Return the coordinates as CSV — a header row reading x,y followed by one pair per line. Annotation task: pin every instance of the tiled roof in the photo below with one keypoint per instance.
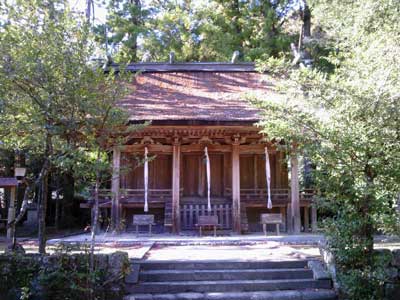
x,y
196,95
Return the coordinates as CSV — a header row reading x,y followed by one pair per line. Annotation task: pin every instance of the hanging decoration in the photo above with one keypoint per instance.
x,y
208,179
268,177
146,180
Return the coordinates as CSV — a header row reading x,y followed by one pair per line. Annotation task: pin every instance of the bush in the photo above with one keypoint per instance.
x,y
62,276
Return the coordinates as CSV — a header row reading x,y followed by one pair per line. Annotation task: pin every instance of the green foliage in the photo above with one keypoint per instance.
x,y
57,104
16,274
61,276
343,115
196,30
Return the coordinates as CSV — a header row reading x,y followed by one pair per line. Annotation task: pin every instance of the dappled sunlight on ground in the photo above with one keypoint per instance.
x,y
266,251
192,247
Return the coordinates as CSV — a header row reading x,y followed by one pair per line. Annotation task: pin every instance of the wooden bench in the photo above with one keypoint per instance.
x,y
207,221
271,219
143,220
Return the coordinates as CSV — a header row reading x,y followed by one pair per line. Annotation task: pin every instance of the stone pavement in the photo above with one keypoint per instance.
x,y
180,247
171,239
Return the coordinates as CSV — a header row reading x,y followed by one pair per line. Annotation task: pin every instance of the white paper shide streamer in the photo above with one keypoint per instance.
x,y
268,177
208,172
146,180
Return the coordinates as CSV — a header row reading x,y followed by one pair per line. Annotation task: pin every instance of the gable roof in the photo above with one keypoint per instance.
x,y
195,92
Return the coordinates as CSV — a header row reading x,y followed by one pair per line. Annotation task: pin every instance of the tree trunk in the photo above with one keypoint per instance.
x,y
95,216
57,212
136,20
94,223
89,12
44,196
306,17
368,228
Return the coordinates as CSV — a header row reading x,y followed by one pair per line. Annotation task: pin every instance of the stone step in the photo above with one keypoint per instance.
x,y
226,286
240,274
320,294
220,265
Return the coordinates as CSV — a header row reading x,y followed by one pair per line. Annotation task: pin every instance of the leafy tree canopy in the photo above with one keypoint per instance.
x,y
56,104
198,30
346,120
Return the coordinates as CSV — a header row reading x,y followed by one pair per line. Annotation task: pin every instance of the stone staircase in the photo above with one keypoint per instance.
x,y
226,280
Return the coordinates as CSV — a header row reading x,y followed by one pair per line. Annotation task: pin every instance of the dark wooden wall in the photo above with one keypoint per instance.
x,y
193,172
252,171
194,180
132,172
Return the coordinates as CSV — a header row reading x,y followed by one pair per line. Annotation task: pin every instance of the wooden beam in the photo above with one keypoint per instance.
x,y
236,188
295,196
153,148
176,167
256,149
200,148
115,189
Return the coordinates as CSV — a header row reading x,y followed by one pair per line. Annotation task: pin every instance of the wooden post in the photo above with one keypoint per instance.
x,y
236,220
284,217
306,218
289,220
176,167
314,221
115,189
295,193
11,216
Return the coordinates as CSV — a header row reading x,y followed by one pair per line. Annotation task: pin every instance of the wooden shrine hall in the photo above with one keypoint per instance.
x,y
202,153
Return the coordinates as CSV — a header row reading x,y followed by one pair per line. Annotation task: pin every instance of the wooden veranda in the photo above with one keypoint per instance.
x,y
177,179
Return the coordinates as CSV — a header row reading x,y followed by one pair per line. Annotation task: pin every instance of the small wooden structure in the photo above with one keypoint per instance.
x,y
207,221
143,220
10,183
195,107
266,219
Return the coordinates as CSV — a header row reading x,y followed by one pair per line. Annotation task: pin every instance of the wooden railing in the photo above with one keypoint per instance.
x,y
191,212
134,195
257,194
159,195
307,194
137,195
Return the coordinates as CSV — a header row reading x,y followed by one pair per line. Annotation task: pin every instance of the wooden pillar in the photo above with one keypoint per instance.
x,y
289,221
314,220
306,218
115,190
176,167
295,193
236,220
282,210
11,215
